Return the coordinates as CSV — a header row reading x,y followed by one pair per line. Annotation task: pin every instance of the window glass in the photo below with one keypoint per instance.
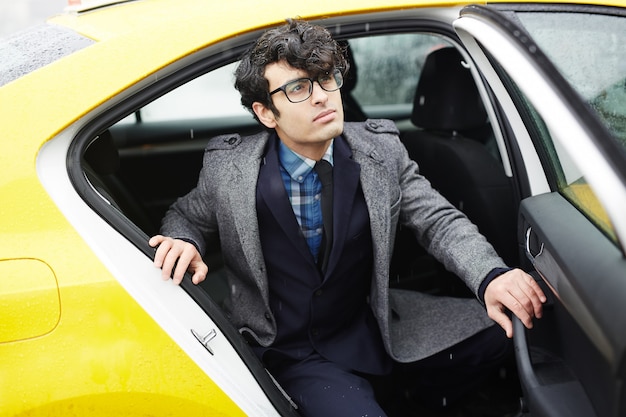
x,y
212,95
386,79
564,174
588,49
389,66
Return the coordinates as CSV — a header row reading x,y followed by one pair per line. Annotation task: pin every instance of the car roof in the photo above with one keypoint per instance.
x,y
102,19
221,18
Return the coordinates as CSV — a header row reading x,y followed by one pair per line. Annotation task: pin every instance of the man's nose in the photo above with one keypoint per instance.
x,y
318,95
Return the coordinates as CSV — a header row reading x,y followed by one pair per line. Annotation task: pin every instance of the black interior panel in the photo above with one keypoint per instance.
x,y
571,363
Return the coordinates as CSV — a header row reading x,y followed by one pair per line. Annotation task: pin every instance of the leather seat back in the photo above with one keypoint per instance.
x,y
451,147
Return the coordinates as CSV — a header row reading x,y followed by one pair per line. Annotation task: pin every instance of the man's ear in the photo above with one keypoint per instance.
x,y
265,115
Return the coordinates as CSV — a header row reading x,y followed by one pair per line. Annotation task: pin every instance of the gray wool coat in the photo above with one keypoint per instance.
x,y
221,210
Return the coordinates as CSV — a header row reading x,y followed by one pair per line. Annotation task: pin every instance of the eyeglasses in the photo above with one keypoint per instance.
x,y
302,88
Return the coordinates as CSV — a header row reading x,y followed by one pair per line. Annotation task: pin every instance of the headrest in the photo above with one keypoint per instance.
x,y
102,155
446,97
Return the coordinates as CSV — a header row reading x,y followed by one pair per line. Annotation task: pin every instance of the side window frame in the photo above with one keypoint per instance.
x,y
576,191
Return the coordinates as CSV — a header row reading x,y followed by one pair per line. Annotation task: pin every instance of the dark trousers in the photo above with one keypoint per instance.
x,y
321,388
447,377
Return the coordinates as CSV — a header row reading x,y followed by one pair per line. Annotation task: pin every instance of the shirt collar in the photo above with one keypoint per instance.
x,y
298,166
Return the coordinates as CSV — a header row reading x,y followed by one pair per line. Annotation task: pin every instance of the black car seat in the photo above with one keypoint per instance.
x,y
451,149
101,164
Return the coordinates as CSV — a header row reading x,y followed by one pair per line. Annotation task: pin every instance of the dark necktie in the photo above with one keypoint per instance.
x,y
325,173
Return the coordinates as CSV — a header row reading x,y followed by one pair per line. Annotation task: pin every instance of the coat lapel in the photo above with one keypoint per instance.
x,y
377,191
241,185
375,185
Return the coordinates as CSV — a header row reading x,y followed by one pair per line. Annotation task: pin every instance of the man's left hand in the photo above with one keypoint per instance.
x,y
517,292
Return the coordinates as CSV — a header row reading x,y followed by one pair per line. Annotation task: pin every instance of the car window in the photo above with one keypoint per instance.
x,y
211,96
588,49
385,87
566,176
386,78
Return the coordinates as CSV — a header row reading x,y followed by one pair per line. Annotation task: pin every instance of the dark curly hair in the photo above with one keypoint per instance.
x,y
301,45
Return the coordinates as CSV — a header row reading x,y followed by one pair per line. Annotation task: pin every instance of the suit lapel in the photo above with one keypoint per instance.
x,y
272,190
345,184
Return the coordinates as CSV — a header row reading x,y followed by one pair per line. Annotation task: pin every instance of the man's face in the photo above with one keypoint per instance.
x,y
308,126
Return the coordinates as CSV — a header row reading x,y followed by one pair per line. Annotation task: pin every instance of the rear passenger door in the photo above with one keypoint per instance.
x,y
573,234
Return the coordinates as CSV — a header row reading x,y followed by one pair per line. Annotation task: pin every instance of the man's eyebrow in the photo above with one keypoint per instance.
x,y
290,81
295,79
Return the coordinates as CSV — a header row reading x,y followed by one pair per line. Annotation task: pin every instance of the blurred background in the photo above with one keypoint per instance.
x,y
16,15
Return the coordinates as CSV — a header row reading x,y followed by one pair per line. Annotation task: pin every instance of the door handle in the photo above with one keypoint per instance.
x,y
529,253
206,339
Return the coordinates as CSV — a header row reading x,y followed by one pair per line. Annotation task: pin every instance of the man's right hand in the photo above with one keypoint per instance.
x,y
177,256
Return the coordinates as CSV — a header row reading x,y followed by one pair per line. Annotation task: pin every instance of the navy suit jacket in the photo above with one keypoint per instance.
x,y
327,312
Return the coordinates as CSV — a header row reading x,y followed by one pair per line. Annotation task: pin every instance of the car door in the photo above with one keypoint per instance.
x,y
548,69
185,313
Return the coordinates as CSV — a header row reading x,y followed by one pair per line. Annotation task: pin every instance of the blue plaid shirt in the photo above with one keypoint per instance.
x,y
304,190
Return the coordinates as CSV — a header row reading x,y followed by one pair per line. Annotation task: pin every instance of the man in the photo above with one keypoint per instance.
x,y
309,278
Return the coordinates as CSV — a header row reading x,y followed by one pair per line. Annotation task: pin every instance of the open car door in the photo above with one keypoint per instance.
x,y
572,362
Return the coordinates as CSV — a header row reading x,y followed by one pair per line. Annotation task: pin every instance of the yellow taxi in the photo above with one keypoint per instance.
x,y
104,114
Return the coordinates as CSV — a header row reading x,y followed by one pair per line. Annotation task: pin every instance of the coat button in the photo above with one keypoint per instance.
x,y
315,331
268,316
318,293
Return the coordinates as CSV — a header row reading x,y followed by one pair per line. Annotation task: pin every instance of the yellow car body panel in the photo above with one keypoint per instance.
x,y
103,354
106,357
